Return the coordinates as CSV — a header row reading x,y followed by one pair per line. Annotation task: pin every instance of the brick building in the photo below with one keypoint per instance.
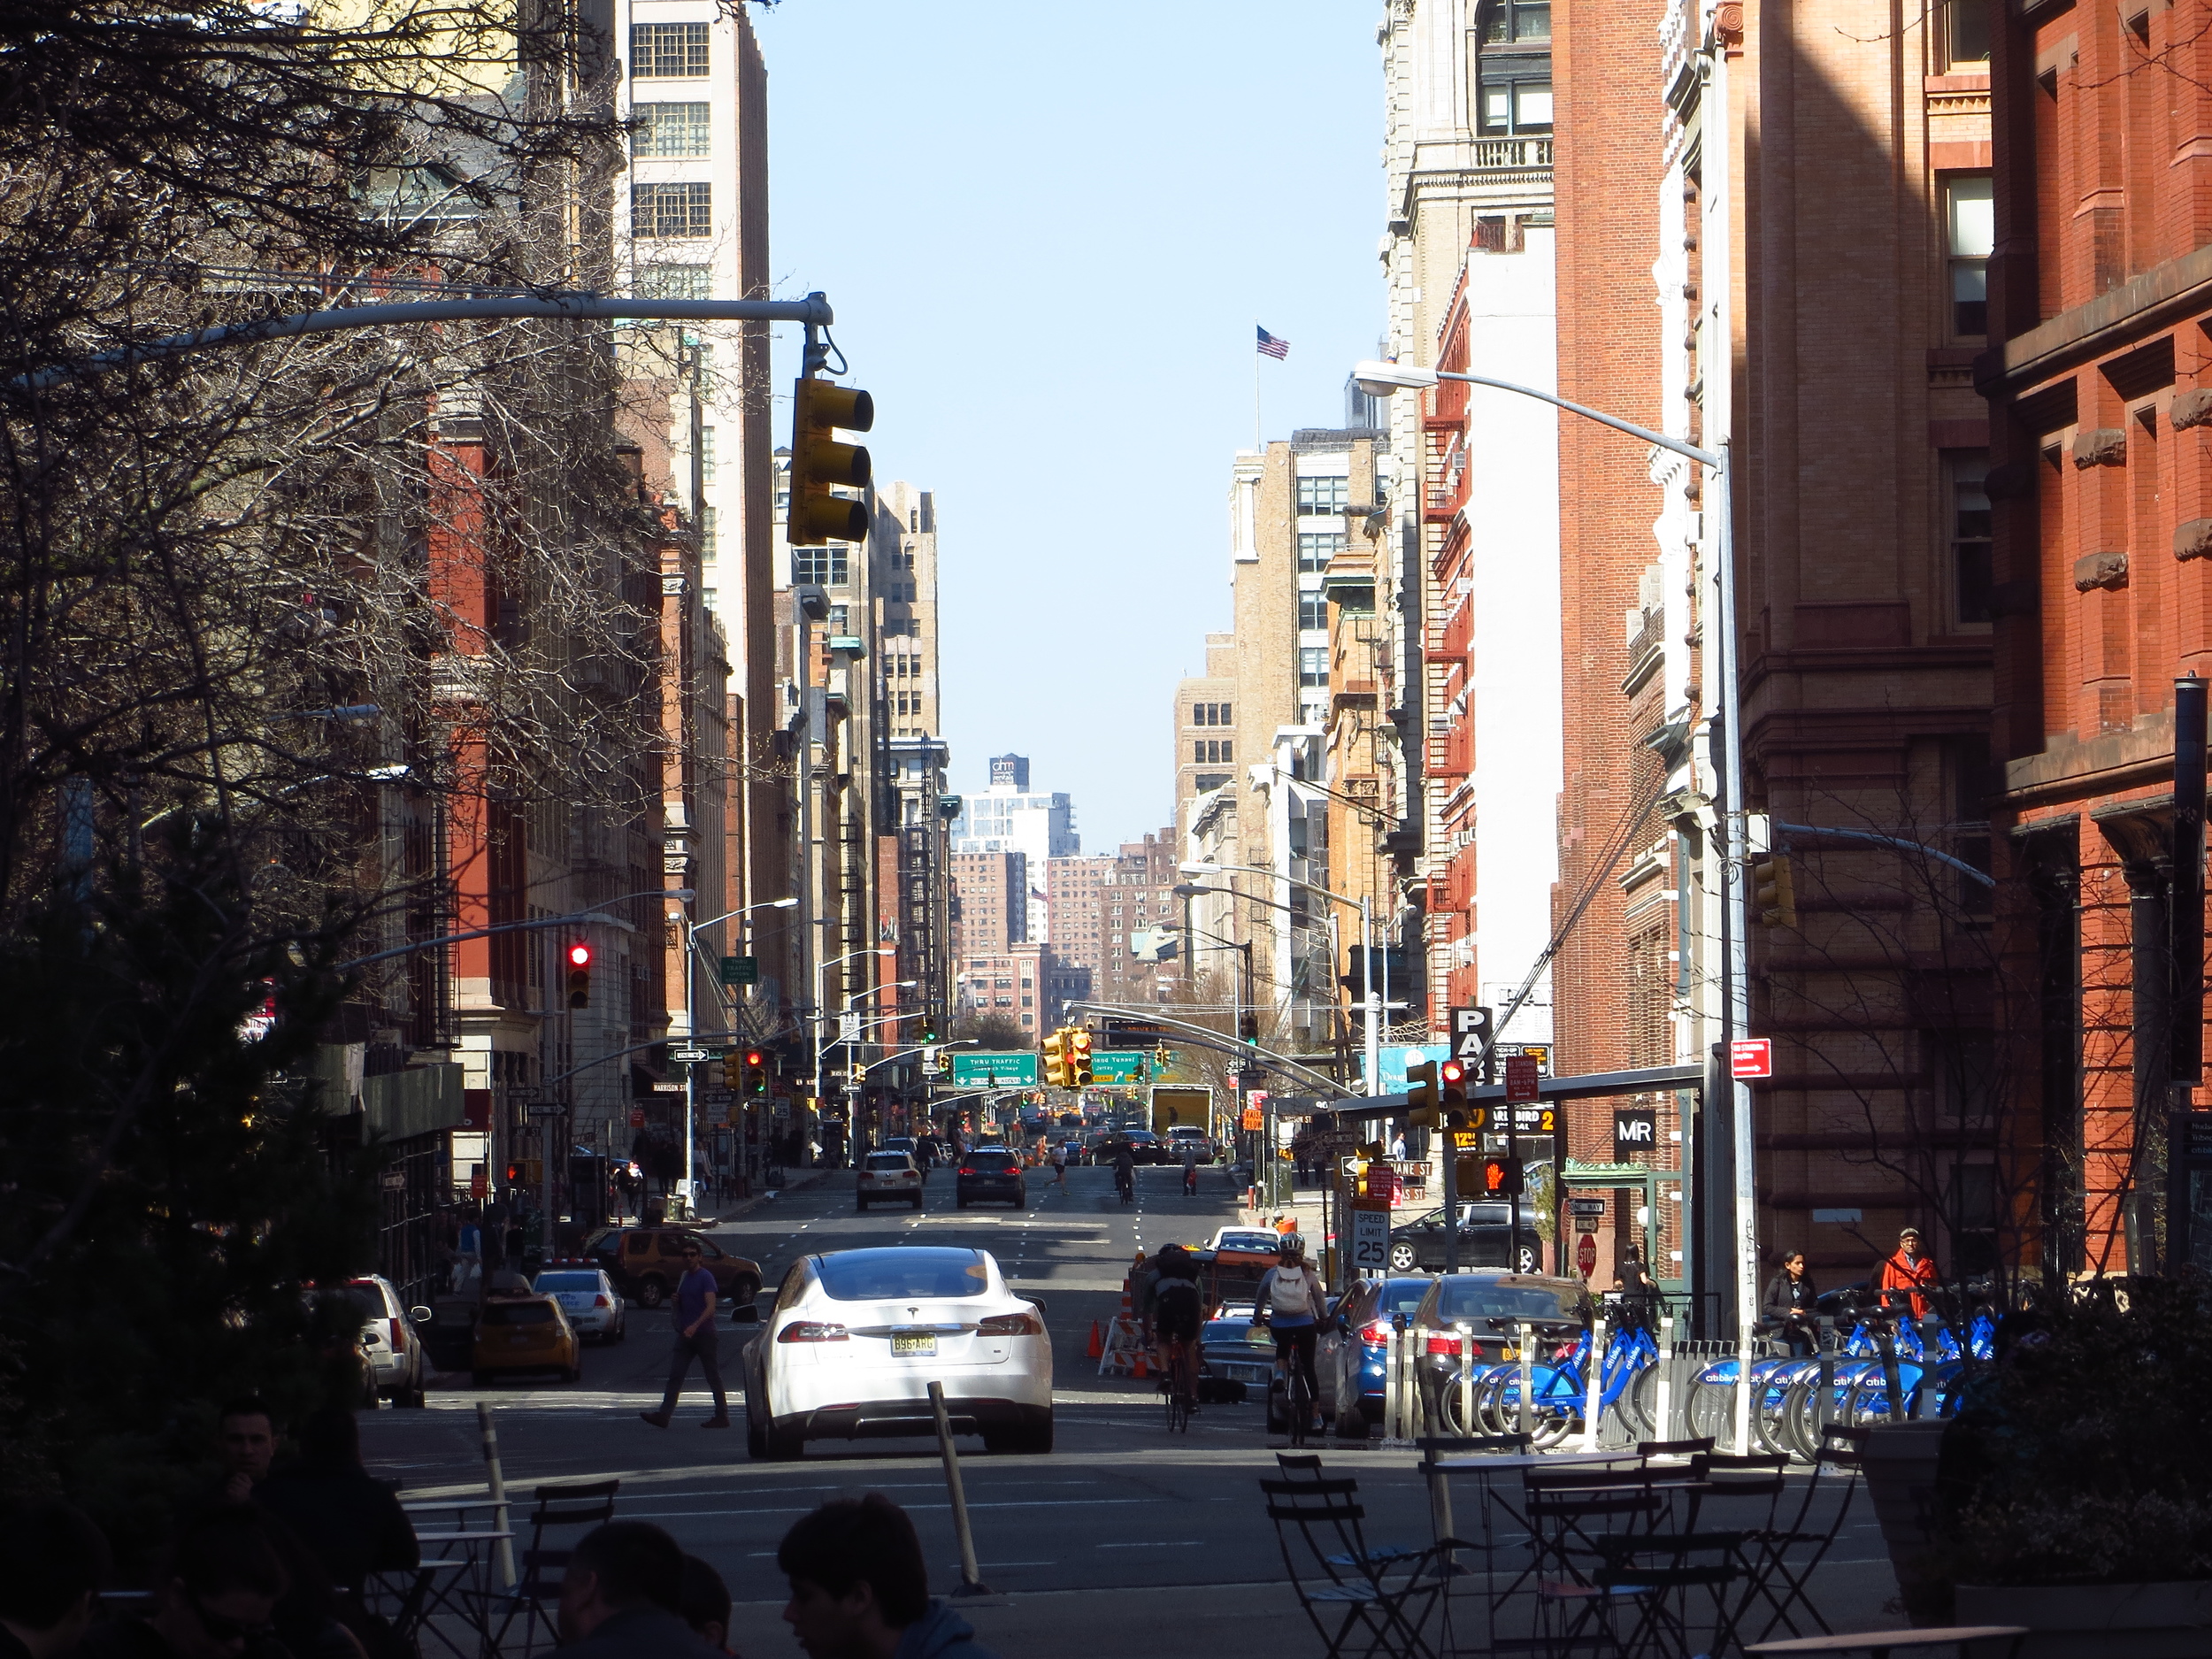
x,y
991,907
2096,372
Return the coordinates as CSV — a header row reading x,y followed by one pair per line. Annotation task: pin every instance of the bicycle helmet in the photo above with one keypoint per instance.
x,y
1291,1246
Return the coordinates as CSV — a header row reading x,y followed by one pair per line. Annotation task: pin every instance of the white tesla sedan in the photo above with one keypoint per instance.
x,y
856,1337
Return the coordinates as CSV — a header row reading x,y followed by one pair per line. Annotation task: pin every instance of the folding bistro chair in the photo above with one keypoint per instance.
x,y
1794,1548
1339,1577
539,1570
1576,1517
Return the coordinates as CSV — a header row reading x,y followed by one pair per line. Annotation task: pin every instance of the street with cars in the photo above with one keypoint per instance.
x,y
1086,1513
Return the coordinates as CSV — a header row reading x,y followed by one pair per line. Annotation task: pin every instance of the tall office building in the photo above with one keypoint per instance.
x,y
991,902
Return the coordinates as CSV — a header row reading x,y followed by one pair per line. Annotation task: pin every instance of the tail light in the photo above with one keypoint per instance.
x,y
965,1169
398,1344
812,1331
1375,1335
1024,1324
601,1302
1444,1342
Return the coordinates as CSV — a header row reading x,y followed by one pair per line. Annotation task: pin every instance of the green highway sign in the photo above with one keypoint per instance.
x,y
741,969
1118,1065
1014,1069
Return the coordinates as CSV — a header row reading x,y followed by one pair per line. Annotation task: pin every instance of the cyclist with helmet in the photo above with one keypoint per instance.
x,y
1289,1305
1174,1310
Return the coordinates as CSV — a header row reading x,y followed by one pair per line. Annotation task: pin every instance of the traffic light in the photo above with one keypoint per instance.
x,y
1249,1026
734,1070
755,1073
580,975
1451,1077
1079,1058
1773,895
1499,1178
819,461
1422,1099
1056,1067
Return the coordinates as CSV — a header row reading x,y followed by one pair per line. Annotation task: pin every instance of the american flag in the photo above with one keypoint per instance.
x,y
1271,347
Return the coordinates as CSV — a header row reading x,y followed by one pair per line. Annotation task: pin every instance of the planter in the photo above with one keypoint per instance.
x,y
1899,1461
2091,1621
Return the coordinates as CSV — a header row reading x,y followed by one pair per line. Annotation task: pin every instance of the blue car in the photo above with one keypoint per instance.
x,y
1349,1358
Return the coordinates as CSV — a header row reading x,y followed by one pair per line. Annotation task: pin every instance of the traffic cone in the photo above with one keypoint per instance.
x,y
1098,1345
1141,1370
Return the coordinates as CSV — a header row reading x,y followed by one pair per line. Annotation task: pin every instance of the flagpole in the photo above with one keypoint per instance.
x,y
1256,398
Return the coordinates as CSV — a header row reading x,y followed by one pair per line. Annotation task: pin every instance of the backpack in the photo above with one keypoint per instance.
x,y
1279,1282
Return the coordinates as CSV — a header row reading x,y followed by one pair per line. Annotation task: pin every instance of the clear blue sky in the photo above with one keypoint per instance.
x,y
1049,229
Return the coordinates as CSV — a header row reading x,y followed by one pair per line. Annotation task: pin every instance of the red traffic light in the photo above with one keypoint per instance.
x,y
753,1056
1452,1070
580,954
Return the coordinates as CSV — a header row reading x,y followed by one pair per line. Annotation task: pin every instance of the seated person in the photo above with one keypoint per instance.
x,y
623,1595
216,1590
860,1588
52,1561
349,1520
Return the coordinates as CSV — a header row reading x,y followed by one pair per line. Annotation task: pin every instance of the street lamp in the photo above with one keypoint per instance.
x,y
685,895
1385,379
1371,1004
821,970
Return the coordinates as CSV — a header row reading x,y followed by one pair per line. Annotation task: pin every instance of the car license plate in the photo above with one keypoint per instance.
x,y
915,1342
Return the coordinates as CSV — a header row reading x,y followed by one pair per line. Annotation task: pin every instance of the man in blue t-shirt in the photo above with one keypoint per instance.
x,y
695,1336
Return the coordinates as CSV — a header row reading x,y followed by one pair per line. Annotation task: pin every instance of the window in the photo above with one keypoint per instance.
x,y
1515,106
823,566
1970,218
1315,550
675,282
710,524
706,453
1969,529
1313,611
1510,20
1323,495
665,51
669,129
1313,665
1966,35
672,210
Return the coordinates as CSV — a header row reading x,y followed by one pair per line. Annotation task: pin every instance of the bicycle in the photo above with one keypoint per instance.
x,y
1180,1382
1125,1184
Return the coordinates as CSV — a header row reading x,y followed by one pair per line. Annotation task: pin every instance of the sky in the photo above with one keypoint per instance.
x,y
1049,230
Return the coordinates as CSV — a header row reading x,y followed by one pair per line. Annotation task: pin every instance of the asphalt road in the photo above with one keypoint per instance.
x,y
1121,1535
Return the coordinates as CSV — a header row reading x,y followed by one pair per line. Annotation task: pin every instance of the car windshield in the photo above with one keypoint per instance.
x,y
887,1159
1229,1333
886,1275
518,1313
566,1281
1468,1298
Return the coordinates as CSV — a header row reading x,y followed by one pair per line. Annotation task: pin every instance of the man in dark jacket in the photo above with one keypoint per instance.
x,y
349,1520
860,1588
620,1597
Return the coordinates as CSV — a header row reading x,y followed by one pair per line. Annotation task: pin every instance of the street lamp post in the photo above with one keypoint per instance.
x,y
821,971
1385,379
691,1014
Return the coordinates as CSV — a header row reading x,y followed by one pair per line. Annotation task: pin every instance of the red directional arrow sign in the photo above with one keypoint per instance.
x,y
1751,1057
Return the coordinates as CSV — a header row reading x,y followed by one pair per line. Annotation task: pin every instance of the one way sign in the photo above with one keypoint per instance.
x,y
1470,1032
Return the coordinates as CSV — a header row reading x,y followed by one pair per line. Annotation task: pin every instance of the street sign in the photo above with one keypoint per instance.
x,y
1585,1223
542,1111
1635,1129
1586,1206
1008,1069
848,1026
1540,1052
1587,1253
1751,1057
1470,1032
691,1056
741,969
1520,1078
1371,1236
1535,1120
637,1116
1118,1065
1253,1118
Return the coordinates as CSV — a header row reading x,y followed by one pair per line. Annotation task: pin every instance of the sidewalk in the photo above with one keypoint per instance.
x,y
801,1182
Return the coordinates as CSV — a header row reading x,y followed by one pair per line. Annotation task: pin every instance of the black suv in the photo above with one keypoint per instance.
x,y
990,1172
1417,1246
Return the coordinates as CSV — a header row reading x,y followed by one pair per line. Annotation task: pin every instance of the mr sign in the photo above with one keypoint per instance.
x,y
1634,1130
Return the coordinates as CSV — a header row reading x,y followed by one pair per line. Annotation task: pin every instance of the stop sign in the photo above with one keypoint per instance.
x,y
1587,1255
637,1116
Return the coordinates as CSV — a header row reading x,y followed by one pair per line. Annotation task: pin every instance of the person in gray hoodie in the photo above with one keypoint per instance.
x,y
860,1588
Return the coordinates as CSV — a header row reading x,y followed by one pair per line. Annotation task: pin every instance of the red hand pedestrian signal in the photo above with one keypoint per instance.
x,y
580,975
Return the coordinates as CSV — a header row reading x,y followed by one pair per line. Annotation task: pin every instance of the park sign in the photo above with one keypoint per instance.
x,y
1014,1069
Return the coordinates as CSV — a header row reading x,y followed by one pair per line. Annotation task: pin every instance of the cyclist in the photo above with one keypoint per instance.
x,y
1289,1303
1174,1315
1125,1170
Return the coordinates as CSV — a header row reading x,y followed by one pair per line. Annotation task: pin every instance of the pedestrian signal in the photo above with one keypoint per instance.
x,y
1501,1177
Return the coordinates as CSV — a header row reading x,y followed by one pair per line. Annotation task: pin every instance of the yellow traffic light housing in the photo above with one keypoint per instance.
x,y
1422,1098
1055,1069
734,1070
1078,1060
1773,892
819,462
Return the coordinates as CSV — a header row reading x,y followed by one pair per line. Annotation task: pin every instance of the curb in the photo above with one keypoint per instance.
x,y
814,1177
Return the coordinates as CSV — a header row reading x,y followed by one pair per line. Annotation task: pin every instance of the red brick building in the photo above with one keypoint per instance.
x,y
2100,382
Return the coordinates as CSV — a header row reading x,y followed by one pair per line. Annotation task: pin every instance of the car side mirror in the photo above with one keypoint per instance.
x,y
744,1313
420,1315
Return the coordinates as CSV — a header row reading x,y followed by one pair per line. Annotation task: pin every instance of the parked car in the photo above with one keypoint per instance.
x,y
587,1296
1492,1306
392,1344
1348,1357
991,1173
645,1262
1237,1350
889,1175
856,1337
524,1332
1418,1244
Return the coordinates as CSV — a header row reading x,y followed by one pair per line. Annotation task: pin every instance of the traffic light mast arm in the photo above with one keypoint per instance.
x,y
581,919
1899,842
636,1047
1204,1037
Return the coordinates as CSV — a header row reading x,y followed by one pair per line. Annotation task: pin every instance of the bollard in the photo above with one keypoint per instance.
x,y
1528,1376
1663,1428
1824,1403
970,1579
1594,1384
489,1435
1466,1380
1401,1363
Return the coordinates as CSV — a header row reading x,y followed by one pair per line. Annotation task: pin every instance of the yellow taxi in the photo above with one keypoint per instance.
x,y
522,1331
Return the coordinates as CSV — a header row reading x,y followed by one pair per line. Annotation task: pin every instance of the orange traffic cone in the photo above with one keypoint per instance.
x,y
1098,1346
1142,1369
